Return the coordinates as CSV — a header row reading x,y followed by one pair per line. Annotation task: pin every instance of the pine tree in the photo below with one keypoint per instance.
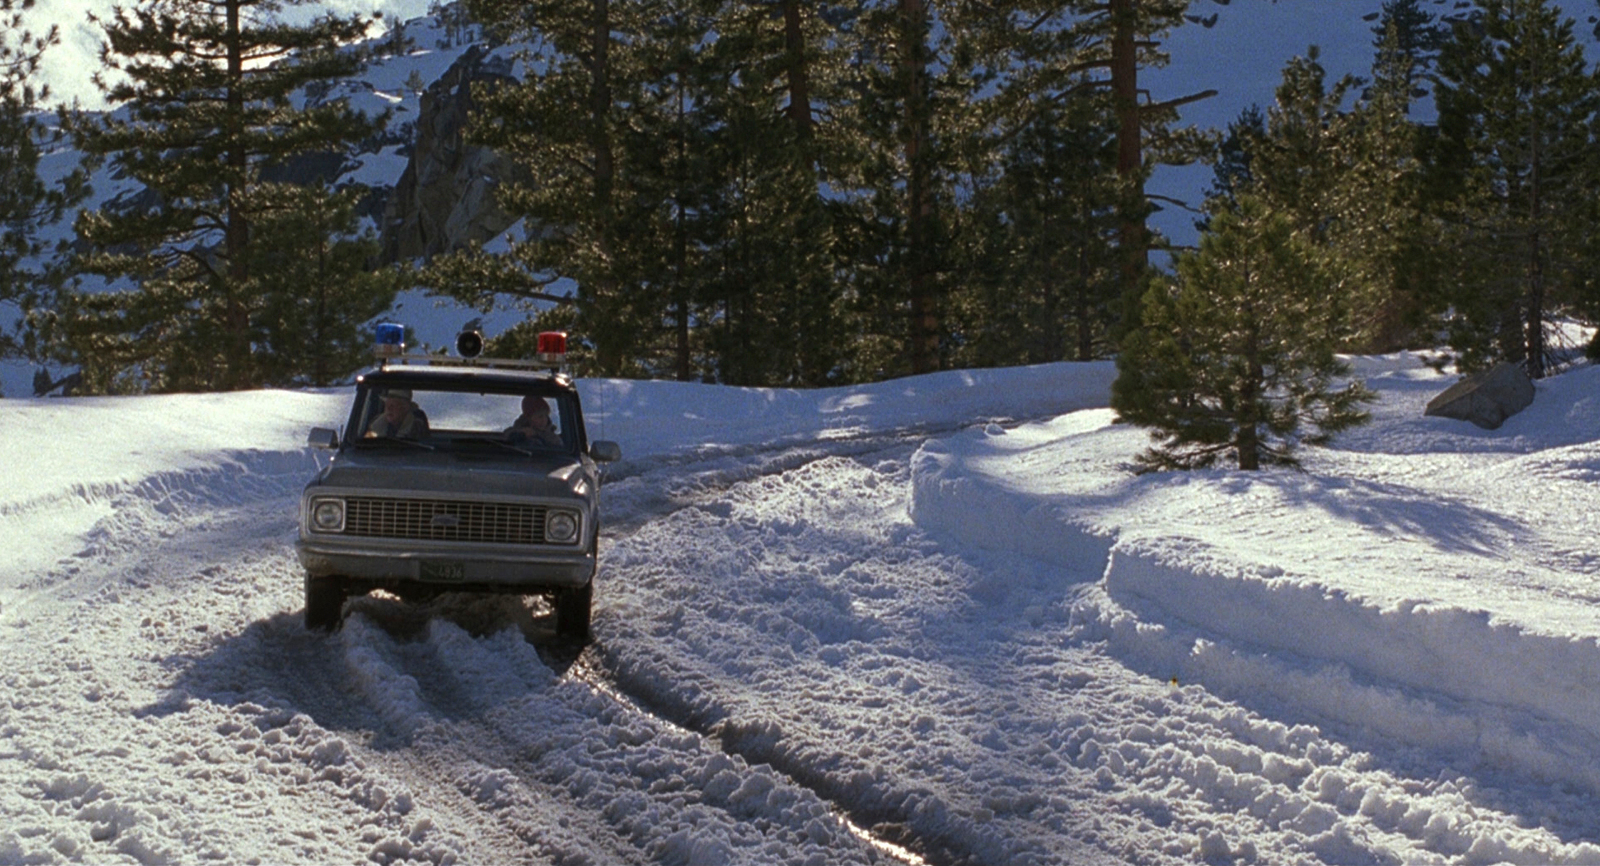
x,y
944,87
208,95
1234,358
28,202
685,207
1408,40
1349,179
1042,281
1516,175
1304,153
771,303
911,94
1386,237
1127,36
315,289
613,127
563,123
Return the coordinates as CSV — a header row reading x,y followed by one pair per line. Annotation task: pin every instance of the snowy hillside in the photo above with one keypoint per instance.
x,y
930,620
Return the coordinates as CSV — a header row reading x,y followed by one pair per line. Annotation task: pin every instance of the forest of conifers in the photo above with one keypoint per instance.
x,y
789,193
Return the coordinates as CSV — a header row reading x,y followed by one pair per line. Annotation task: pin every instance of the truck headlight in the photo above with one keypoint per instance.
x,y
561,527
327,515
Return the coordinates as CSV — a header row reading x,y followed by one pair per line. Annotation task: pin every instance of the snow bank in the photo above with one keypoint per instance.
x,y
107,458
1407,597
654,419
93,465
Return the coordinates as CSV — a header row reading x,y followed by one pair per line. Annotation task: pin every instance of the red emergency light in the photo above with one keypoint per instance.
x,y
552,347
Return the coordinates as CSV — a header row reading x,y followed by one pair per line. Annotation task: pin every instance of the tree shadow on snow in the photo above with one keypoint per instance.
x,y
1395,511
276,666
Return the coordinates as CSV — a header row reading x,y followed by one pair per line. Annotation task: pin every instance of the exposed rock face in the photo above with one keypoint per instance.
x,y
1486,399
446,198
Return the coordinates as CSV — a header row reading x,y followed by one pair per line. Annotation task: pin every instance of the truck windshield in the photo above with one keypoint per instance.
x,y
466,420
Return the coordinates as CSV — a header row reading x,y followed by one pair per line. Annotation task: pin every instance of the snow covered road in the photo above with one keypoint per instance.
x,y
166,705
787,667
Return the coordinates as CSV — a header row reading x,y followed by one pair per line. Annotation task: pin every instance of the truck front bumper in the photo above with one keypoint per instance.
x,y
444,568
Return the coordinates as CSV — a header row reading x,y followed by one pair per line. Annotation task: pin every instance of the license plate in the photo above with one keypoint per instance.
x,y
444,571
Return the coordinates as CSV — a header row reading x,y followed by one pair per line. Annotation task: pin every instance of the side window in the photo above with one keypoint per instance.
x,y
366,407
569,424
374,408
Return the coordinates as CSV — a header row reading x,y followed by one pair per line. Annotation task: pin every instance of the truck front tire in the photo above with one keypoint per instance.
x,y
573,608
324,602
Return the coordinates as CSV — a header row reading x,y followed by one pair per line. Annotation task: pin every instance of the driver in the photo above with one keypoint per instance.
x,y
401,418
533,426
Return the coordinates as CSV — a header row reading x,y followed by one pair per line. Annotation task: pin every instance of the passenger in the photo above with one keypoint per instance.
x,y
533,426
401,418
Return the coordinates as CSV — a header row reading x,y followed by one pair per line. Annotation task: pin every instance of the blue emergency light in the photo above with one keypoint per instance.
x,y
391,340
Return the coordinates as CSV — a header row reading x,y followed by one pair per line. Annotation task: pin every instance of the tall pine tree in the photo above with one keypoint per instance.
x,y
1517,177
1235,357
208,94
1041,275
1349,178
315,290
676,159
1125,37
772,304
566,123
28,202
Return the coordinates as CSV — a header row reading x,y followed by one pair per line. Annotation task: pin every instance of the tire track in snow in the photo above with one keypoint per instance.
x,y
710,598
626,783
690,483
391,752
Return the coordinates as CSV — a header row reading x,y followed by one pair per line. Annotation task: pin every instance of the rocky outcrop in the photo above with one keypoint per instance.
x,y
446,198
1486,399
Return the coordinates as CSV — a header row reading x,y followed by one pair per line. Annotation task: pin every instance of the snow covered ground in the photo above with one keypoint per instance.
x,y
934,619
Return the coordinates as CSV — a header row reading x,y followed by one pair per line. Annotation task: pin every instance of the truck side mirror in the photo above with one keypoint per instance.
x,y
322,437
605,451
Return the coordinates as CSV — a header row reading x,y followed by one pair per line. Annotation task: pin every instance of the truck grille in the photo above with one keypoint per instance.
x,y
444,520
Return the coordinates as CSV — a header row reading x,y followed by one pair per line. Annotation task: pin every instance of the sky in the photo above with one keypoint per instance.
x,y
929,620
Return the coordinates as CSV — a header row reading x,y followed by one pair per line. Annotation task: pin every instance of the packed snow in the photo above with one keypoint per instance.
x,y
933,620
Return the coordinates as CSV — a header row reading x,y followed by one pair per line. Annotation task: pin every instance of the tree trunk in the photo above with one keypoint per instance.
x,y
924,330
1246,436
794,44
682,300
1085,322
608,353
1133,238
236,237
1534,313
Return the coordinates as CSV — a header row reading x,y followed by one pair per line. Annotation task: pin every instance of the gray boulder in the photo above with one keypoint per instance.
x,y
1486,399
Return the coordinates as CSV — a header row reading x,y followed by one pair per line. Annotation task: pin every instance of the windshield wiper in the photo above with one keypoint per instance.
x,y
374,440
496,443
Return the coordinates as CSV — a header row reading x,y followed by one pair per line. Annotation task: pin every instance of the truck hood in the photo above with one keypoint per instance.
x,y
420,473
